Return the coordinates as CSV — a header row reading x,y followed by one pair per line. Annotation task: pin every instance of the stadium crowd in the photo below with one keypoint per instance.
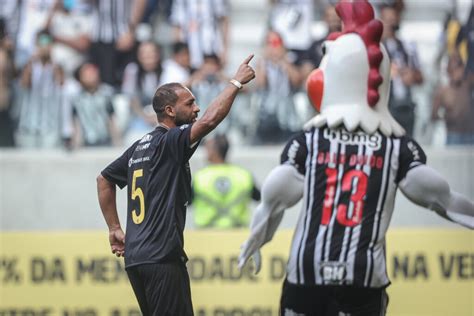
x,y
77,73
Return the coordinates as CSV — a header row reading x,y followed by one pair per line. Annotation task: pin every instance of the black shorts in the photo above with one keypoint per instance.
x,y
162,289
327,300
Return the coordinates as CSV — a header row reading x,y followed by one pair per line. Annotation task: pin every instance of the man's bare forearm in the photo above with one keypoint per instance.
x,y
221,105
108,205
215,113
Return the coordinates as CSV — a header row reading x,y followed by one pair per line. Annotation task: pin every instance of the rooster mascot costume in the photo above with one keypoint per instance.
x,y
346,165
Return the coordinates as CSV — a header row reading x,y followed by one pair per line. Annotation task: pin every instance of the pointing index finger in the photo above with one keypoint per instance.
x,y
248,59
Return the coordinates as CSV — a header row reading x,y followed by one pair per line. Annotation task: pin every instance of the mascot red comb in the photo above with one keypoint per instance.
x,y
346,166
351,86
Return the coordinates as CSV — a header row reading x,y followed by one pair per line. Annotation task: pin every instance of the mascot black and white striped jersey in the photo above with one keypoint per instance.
x,y
351,179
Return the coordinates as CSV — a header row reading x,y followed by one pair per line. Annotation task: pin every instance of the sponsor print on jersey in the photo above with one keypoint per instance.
x,y
146,138
333,272
292,151
414,150
353,160
142,147
373,141
132,161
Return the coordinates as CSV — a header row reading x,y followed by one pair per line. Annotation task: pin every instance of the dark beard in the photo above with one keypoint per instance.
x,y
180,121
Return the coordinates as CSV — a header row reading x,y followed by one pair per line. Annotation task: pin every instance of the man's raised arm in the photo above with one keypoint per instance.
x,y
222,104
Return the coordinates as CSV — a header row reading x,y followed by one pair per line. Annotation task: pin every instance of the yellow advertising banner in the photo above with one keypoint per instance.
x,y
74,273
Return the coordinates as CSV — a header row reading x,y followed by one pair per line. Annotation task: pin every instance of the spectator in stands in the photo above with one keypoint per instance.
x,y
467,34
113,38
32,17
222,191
405,69
70,25
156,7
40,98
178,67
10,14
140,81
206,83
378,5
315,52
204,26
449,40
6,87
455,99
292,20
276,80
93,111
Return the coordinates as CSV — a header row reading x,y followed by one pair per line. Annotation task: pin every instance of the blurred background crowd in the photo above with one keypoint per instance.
x,y
77,73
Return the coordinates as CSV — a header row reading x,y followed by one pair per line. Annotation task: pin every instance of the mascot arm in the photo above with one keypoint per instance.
x,y
426,187
282,189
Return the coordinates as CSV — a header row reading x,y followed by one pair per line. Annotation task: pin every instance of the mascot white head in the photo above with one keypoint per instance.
x,y
351,86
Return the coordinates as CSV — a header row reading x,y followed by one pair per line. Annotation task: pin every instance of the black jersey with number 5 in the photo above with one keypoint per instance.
x,y
156,171
350,183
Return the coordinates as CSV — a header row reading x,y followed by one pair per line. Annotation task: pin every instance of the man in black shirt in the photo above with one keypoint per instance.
x,y
156,171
